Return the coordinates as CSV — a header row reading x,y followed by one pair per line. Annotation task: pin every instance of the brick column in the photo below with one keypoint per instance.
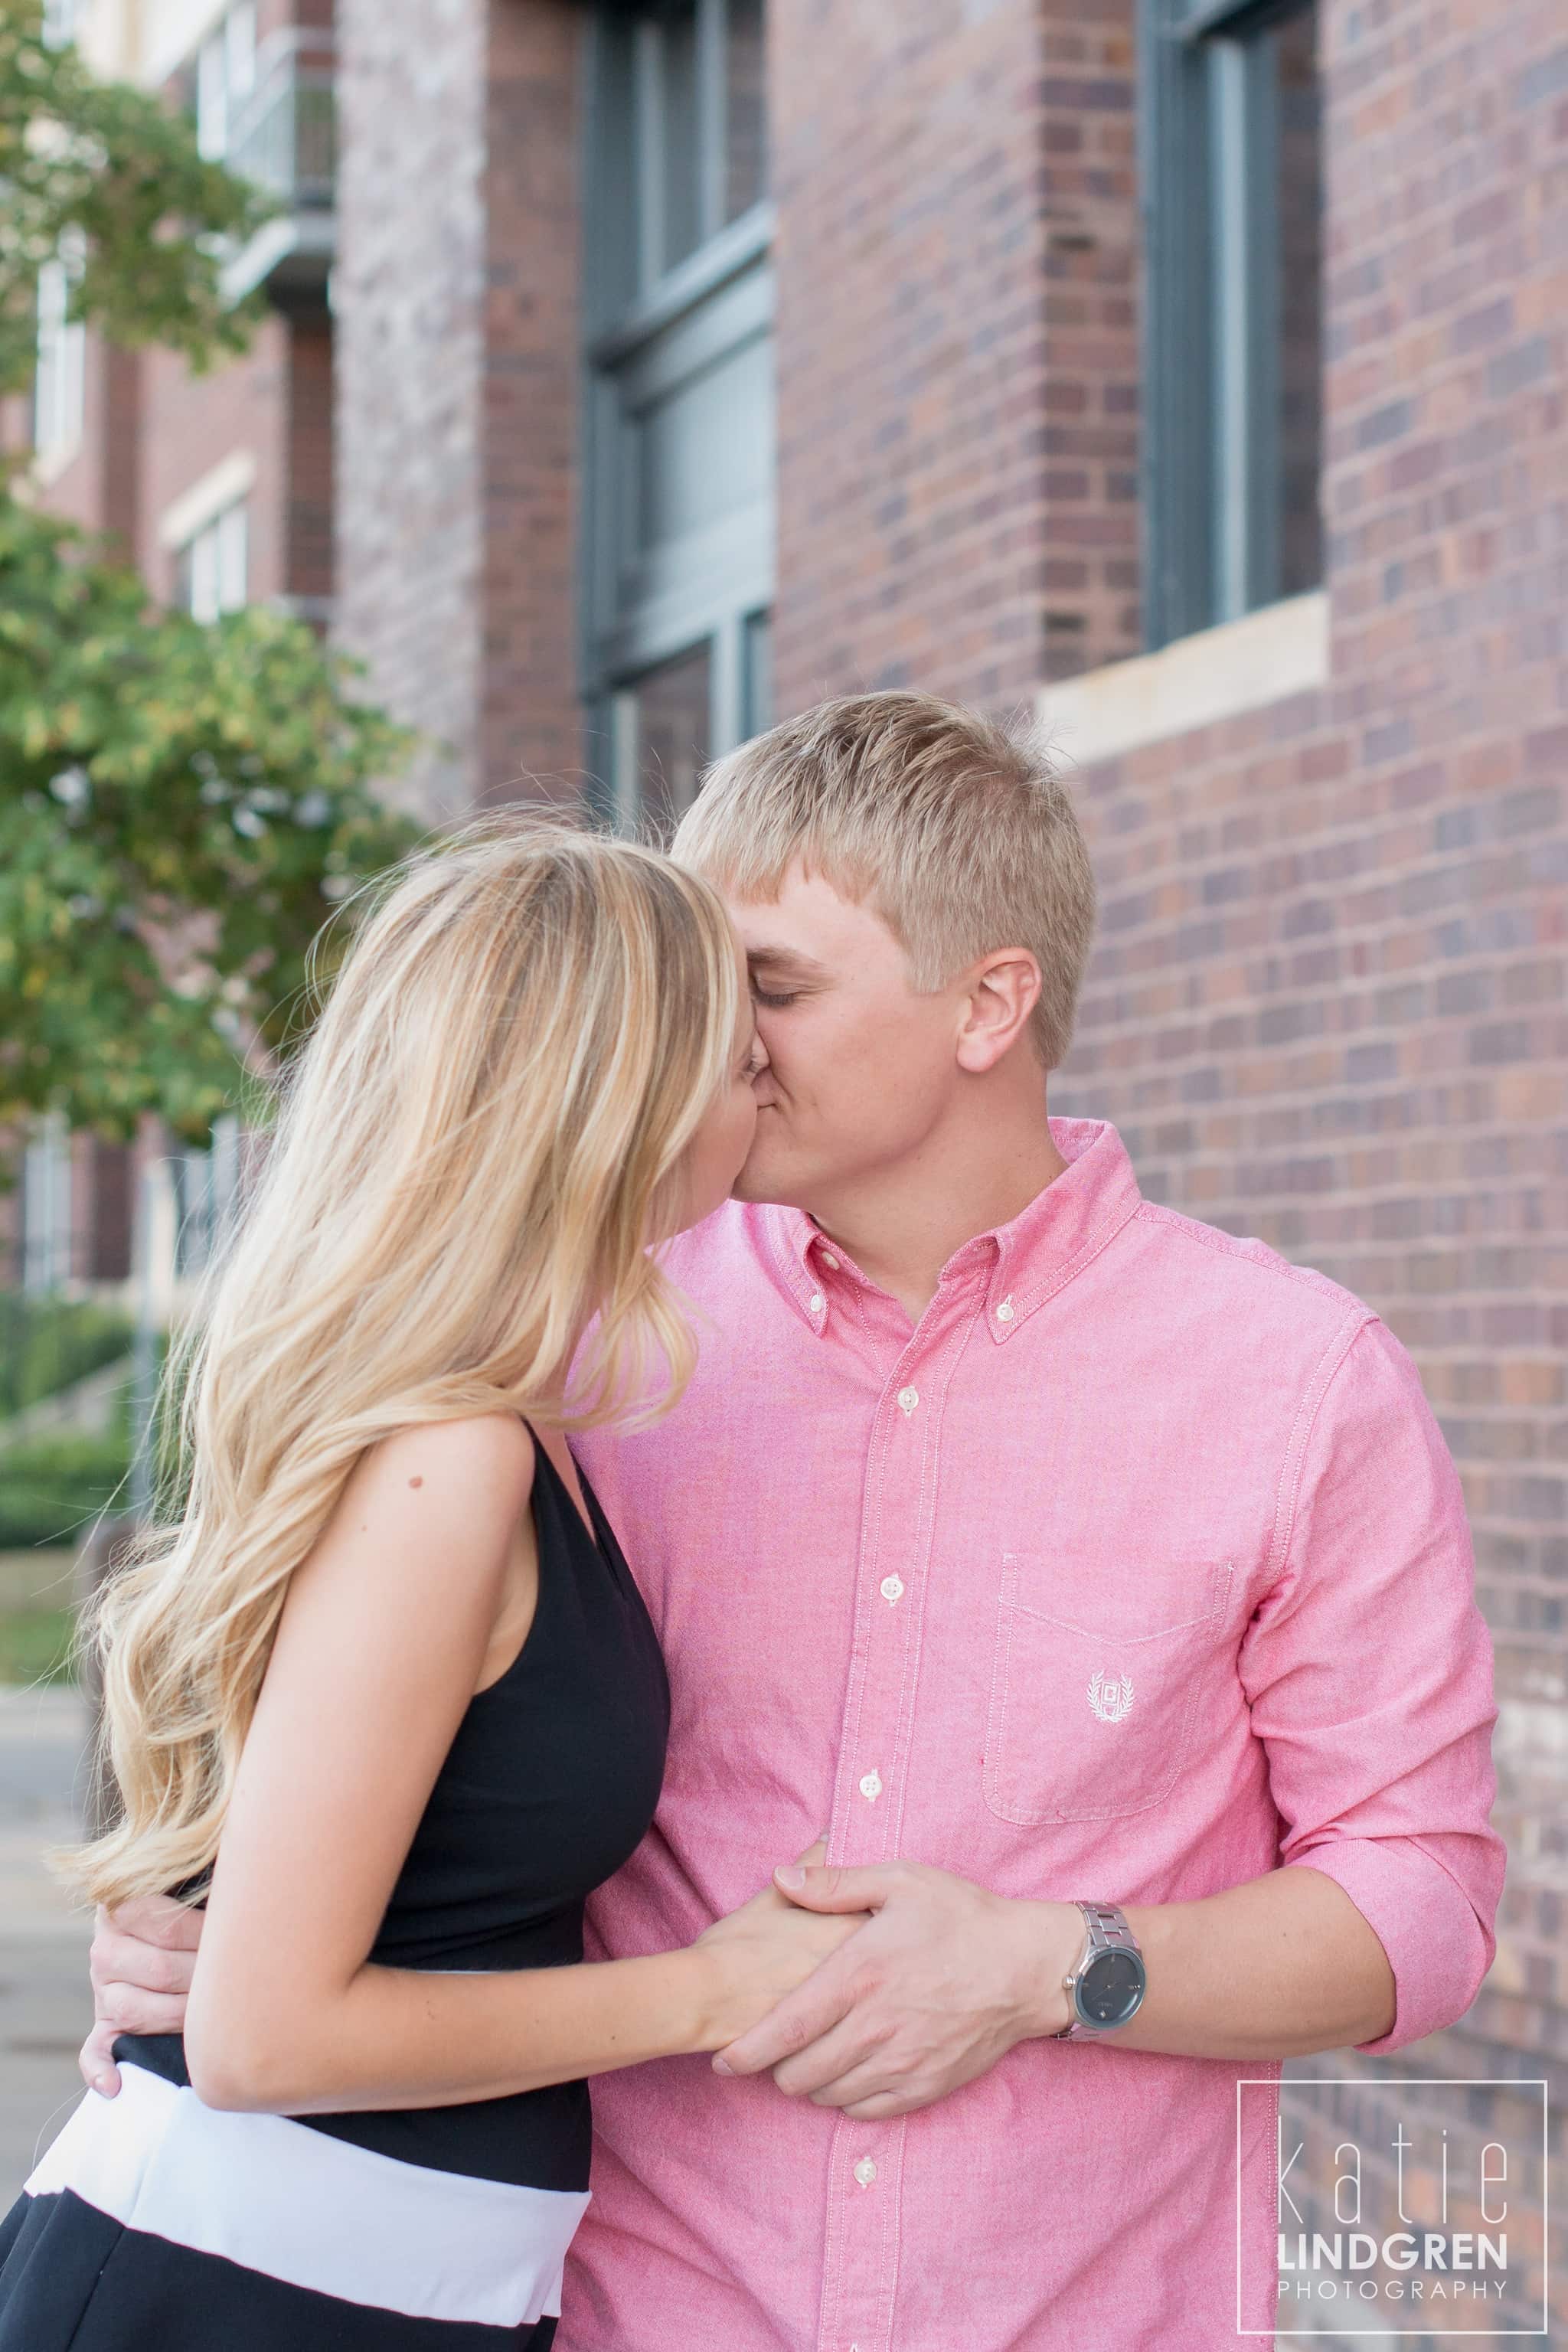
x,y
408,294
957,343
455,302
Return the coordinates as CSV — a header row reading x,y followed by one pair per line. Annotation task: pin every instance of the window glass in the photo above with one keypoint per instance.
x,y
239,51
676,133
671,705
696,71
679,477
213,566
705,451
211,100
745,121
1299,206
47,1207
759,683
226,71
232,532
59,383
1232,408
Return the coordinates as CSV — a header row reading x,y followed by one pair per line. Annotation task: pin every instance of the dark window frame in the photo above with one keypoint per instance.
x,y
1208,150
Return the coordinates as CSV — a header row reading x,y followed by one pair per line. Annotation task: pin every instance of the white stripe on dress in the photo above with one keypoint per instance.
x,y
314,2212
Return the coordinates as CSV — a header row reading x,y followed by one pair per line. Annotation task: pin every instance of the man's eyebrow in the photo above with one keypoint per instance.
x,y
786,963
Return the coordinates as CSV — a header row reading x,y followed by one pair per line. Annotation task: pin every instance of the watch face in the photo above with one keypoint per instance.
x,y
1111,1988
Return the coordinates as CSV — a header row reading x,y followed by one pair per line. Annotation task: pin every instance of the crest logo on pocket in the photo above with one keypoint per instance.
x,y
1110,1696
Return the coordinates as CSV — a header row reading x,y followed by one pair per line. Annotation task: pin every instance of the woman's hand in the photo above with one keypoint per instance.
x,y
764,1951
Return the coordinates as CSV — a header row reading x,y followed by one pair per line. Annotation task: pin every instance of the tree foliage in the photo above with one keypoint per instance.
x,y
117,168
180,803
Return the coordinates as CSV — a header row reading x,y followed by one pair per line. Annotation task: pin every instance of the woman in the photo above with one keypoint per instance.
x,y
392,1652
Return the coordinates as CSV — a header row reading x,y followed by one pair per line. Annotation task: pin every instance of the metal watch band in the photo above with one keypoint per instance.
x,y
1108,1931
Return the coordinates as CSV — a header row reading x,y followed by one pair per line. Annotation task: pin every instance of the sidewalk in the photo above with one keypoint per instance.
x,y
45,2005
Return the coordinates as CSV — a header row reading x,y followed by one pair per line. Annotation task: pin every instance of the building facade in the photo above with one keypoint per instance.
x,y
1187,372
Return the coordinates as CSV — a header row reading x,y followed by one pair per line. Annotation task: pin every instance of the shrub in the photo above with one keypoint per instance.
x,y
51,1489
46,1344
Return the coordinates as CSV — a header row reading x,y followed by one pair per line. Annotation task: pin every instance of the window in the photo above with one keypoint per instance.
x,y
213,565
664,731
47,1207
1232,182
691,99
203,1186
680,429
59,383
226,71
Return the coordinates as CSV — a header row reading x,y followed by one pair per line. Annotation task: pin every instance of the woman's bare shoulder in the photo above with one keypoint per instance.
x,y
479,1467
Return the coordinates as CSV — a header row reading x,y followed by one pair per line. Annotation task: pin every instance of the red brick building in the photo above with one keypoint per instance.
x,y
1191,371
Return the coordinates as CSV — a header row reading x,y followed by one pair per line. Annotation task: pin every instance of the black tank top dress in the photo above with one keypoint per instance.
x,y
157,2224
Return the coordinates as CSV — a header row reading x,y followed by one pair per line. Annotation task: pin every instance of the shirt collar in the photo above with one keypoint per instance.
x,y
1029,1258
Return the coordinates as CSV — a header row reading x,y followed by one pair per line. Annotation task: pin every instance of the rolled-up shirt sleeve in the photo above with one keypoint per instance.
x,y
1368,1670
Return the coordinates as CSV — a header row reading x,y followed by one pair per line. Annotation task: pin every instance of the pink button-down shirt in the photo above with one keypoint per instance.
x,y
1136,1568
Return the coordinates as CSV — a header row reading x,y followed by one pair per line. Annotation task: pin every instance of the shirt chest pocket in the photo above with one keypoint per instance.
x,y
1096,1684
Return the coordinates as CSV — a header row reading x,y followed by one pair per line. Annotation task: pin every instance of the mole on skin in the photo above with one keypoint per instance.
x,y
417,1482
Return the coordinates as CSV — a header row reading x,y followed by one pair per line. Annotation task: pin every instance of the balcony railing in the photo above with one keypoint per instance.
x,y
283,136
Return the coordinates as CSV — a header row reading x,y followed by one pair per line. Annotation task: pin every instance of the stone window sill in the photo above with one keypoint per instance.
x,y
1240,665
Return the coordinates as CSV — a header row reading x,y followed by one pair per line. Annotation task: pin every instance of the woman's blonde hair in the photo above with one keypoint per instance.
x,y
955,830
474,1149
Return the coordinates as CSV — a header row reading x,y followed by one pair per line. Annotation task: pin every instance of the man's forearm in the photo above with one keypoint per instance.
x,y
947,1977
1275,1969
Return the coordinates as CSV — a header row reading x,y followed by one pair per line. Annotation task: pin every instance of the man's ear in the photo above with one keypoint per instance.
x,y
1001,992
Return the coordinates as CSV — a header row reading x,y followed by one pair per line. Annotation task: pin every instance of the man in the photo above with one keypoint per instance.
x,y
1048,1548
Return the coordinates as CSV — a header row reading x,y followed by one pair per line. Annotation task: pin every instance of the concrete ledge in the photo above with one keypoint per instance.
x,y
173,33
224,484
1241,666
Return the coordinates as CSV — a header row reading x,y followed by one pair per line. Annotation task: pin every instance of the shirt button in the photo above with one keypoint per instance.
x,y
872,1786
816,1302
829,1261
864,2172
892,1588
908,1398
1006,1311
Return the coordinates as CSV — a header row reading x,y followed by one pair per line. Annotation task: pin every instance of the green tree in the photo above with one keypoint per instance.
x,y
180,804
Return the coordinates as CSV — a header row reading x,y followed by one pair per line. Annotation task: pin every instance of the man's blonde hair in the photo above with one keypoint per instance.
x,y
952,829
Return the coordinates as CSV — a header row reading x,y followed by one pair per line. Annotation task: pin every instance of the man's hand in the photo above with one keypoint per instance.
x,y
941,1982
144,1957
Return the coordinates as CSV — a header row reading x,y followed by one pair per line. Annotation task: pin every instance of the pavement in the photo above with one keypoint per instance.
x,y
45,2005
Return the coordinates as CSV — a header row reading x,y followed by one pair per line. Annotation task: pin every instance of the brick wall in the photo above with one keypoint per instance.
x,y
1327,1004
956,344
190,424
1090,440
455,299
97,486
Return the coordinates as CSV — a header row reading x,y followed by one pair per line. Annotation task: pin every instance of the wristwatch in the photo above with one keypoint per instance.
x,y
1108,1981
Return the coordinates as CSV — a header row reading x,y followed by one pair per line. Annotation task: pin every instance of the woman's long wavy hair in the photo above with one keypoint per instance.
x,y
475,1147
